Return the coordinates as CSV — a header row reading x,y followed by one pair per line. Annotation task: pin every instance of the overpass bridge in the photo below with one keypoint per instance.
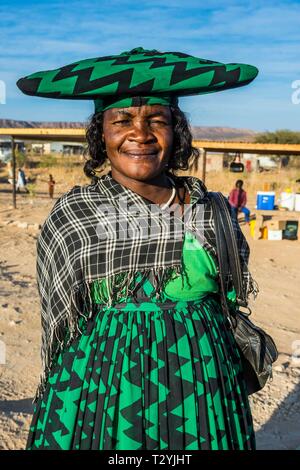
x,y
78,135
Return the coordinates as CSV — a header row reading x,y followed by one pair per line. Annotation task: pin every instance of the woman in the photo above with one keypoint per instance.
x,y
135,348
238,200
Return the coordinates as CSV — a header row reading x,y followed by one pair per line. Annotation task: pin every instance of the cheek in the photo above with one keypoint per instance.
x,y
166,142
112,140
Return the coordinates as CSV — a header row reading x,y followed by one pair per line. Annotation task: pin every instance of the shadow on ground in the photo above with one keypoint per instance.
x,y
282,431
17,406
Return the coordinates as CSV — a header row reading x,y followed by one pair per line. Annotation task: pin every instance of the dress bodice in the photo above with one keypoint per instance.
x,y
199,277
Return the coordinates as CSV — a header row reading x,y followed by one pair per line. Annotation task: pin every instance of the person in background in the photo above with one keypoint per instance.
x,y
238,200
51,184
21,181
248,166
10,178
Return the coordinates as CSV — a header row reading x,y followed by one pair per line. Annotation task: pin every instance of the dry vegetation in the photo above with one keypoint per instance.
x,y
68,171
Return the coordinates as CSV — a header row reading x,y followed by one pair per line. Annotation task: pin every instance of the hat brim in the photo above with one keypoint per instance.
x,y
137,74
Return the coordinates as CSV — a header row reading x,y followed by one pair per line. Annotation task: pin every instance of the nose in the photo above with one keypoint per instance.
x,y
141,133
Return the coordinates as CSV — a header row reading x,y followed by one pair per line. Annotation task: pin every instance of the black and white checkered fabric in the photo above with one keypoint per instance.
x,y
107,231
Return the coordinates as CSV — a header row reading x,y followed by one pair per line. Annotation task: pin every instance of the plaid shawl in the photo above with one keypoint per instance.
x,y
106,231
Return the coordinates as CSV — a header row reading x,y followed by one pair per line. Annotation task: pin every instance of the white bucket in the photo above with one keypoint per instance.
x,y
297,202
287,200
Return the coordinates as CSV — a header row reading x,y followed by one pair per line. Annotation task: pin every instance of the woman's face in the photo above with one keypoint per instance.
x,y
138,140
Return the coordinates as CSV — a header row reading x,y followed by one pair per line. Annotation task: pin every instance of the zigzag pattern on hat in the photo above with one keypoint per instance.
x,y
135,73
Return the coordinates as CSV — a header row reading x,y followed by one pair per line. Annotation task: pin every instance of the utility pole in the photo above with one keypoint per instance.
x,y
13,152
204,165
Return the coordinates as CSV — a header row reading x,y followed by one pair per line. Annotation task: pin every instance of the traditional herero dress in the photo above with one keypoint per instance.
x,y
150,373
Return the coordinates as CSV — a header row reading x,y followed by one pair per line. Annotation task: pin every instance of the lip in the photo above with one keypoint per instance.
x,y
140,154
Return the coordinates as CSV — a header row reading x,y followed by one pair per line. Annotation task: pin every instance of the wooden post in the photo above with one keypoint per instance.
x,y
204,166
13,152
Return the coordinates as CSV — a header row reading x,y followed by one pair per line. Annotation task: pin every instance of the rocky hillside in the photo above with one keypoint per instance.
x,y
33,124
223,133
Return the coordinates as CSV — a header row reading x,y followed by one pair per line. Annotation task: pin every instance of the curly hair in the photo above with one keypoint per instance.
x,y
183,150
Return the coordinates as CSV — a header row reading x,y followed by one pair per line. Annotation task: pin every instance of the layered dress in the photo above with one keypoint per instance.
x,y
150,372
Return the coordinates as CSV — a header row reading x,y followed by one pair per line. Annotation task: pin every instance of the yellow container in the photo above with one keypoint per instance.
x,y
252,228
264,233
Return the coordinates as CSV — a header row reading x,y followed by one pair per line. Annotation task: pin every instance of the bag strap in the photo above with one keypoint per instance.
x,y
227,251
222,258
233,252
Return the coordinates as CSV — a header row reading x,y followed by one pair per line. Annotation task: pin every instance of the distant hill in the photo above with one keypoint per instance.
x,y
223,133
33,124
206,133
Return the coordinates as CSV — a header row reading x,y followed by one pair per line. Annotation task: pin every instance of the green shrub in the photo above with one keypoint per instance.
x,y
20,159
48,161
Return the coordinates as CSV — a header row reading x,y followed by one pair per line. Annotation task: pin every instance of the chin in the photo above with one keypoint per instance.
x,y
142,172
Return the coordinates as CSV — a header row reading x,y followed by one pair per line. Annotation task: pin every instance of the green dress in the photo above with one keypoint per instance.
x,y
159,374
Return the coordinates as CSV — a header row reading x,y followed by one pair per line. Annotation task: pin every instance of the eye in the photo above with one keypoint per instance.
x,y
159,122
122,121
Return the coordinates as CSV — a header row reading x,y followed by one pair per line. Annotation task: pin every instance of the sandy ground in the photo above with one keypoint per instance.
x,y
274,264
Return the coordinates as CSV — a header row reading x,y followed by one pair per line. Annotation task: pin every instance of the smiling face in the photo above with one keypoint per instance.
x,y
138,140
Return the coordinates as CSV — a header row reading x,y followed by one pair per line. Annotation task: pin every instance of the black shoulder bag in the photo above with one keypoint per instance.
x,y
258,350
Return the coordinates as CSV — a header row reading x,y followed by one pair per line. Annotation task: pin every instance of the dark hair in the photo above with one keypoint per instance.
x,y
239,183
182,153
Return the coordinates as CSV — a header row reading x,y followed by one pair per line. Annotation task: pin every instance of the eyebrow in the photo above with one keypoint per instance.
x,y
121,111
157,113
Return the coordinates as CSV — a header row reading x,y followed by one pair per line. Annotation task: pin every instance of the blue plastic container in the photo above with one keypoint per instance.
x,y
265,200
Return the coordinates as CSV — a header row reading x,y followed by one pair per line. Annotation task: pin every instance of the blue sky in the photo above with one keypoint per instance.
x,y
40,35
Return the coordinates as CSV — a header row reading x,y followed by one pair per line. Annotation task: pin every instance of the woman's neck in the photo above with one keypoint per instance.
x,y
157,189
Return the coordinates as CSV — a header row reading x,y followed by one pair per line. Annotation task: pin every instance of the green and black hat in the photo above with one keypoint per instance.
x,y
137,77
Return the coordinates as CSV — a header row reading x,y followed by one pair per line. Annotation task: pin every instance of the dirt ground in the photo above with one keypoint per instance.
x,y
274,264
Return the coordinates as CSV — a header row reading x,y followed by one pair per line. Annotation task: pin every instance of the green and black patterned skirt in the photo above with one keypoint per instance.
x,y
148,376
